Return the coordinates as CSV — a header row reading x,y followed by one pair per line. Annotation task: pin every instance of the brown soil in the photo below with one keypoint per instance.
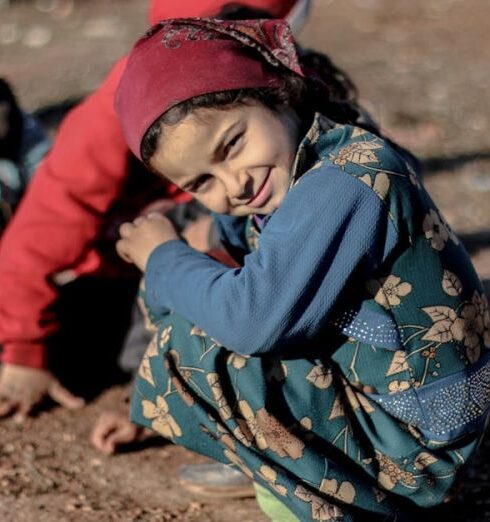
x,y
422,69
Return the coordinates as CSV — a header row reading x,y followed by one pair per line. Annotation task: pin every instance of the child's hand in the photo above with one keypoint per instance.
x,y
22,388
113,430
142,236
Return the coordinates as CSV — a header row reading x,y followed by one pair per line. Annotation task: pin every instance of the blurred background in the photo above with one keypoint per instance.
x,y
422,69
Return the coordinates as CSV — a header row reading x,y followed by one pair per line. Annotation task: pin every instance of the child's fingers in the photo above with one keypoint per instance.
x,y
126,229
111,441
125,433
19,408
156,216
7,407
63,397
138,221
111,431
100,436
26,404
108,446
121,251
98,432
23,410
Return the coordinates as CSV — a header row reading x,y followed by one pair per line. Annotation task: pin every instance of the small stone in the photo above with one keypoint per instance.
x,y
9,448
37,37
9,34
101,28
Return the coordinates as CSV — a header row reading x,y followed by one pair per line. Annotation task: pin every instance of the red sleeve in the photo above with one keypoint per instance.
x,y
58,219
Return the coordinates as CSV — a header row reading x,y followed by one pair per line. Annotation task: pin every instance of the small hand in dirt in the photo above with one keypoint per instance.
x,y
22,388
113,430
142,236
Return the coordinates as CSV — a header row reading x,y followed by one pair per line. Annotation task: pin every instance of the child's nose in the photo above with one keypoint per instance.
x,y
239,185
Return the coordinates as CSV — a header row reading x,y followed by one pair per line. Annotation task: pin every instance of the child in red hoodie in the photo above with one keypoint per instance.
x,y
84,187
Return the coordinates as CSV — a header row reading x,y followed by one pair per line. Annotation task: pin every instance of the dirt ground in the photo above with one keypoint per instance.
x,y
422,70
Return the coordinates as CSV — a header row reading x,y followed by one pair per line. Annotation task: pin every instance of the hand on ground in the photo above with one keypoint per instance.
x,y
142,236
22,388
113,430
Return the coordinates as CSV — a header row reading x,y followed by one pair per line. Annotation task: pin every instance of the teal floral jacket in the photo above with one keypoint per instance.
x,y
377,390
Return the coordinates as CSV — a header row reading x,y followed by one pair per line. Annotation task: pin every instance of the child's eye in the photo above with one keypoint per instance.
x,y
232,144
200,183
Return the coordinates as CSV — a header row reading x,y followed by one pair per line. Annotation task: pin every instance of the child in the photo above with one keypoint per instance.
x,y
345,365
22,146
51,277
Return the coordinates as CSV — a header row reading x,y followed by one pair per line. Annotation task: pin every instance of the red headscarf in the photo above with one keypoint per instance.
x,y
164,9
182,58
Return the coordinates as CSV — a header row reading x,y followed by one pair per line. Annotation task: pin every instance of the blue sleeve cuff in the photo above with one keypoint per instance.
x,y
157,273
170,261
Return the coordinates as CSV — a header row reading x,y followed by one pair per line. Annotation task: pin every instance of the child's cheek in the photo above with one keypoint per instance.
x,y
214,203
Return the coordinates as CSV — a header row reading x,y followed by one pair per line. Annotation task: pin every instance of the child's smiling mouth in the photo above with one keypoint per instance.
x,y
263,193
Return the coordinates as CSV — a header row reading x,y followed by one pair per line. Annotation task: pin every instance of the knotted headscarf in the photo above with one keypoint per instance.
x,y
182,58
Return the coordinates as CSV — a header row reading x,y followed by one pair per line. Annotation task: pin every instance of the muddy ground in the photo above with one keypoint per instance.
x,y
422,70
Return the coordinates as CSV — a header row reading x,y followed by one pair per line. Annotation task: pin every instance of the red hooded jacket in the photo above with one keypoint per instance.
x,y
65,210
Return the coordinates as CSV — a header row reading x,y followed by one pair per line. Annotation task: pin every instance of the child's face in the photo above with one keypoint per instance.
x,y
236,161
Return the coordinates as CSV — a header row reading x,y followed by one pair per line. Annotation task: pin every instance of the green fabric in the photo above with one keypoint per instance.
x,y
271,507
310,425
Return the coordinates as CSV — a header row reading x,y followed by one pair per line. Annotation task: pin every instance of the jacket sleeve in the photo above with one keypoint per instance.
x,y
58,219
330,229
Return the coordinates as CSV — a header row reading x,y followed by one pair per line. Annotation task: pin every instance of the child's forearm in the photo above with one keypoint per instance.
x,y
288,288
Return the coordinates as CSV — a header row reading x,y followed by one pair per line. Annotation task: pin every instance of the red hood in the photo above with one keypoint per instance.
x,y
161,9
